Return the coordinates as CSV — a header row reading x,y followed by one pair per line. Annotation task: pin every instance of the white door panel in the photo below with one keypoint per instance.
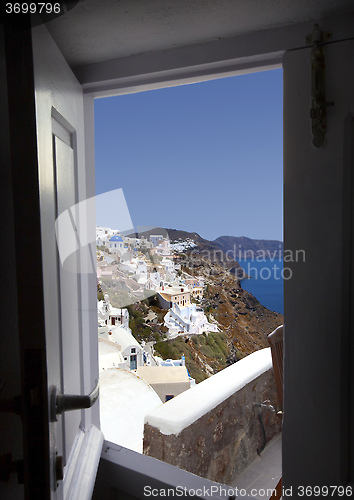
x,y
70,302
69,293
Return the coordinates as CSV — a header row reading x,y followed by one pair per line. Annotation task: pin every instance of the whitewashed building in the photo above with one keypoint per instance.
x,y
119,317
164,247
109,355
156,239
102,235
125,399
167,381
189,319
131,350
169,295
168,264
116,244
112,316
103,310
153,281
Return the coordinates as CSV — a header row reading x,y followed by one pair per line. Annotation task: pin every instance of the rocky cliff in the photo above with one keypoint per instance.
x,y
242,247
243,322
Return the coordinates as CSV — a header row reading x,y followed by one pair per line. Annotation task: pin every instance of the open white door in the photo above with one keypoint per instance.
x,y
70,295
66,181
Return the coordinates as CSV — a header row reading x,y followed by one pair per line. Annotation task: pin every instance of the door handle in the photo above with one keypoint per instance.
x,y
60,403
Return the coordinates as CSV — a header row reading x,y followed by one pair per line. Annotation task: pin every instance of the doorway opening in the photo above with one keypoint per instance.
x,y
201,170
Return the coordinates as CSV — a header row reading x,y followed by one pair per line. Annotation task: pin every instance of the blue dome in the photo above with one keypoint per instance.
x,y
116,238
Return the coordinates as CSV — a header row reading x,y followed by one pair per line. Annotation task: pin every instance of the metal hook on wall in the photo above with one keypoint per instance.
x,y
319,104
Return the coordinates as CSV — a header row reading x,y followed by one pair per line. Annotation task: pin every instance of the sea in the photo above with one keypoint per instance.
x,y
266,282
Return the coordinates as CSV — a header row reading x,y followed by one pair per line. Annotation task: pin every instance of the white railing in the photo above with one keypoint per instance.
x,y
220,419
186,408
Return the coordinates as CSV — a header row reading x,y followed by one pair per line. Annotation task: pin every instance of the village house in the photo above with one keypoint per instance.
x,y
169,295
136,265
116,244
155,239
164,247
176,362
189,319
131,242
161,270
183,317
144,243
168,265
149,284
103,310
167,381
155,276
119,317
197,292
111,316
131,350
141,267
193,281
195,285
102,235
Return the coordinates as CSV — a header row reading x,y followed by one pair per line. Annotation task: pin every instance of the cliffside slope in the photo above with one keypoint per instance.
x,y
244,323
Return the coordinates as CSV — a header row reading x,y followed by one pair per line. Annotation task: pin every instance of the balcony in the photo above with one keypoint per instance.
x,y
218,428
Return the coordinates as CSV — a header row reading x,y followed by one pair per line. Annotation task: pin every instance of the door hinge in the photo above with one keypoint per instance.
x,y
319,104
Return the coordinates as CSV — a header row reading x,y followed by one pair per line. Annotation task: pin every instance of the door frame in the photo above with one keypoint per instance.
x,y
22,165
211,60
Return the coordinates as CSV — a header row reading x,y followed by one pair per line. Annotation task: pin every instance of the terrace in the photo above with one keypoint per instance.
x,y
218,428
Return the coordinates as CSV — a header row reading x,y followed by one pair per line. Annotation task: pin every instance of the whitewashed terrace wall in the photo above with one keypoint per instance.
x,y
213,429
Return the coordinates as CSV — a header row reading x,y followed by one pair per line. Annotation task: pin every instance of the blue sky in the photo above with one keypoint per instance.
x,y
204,157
